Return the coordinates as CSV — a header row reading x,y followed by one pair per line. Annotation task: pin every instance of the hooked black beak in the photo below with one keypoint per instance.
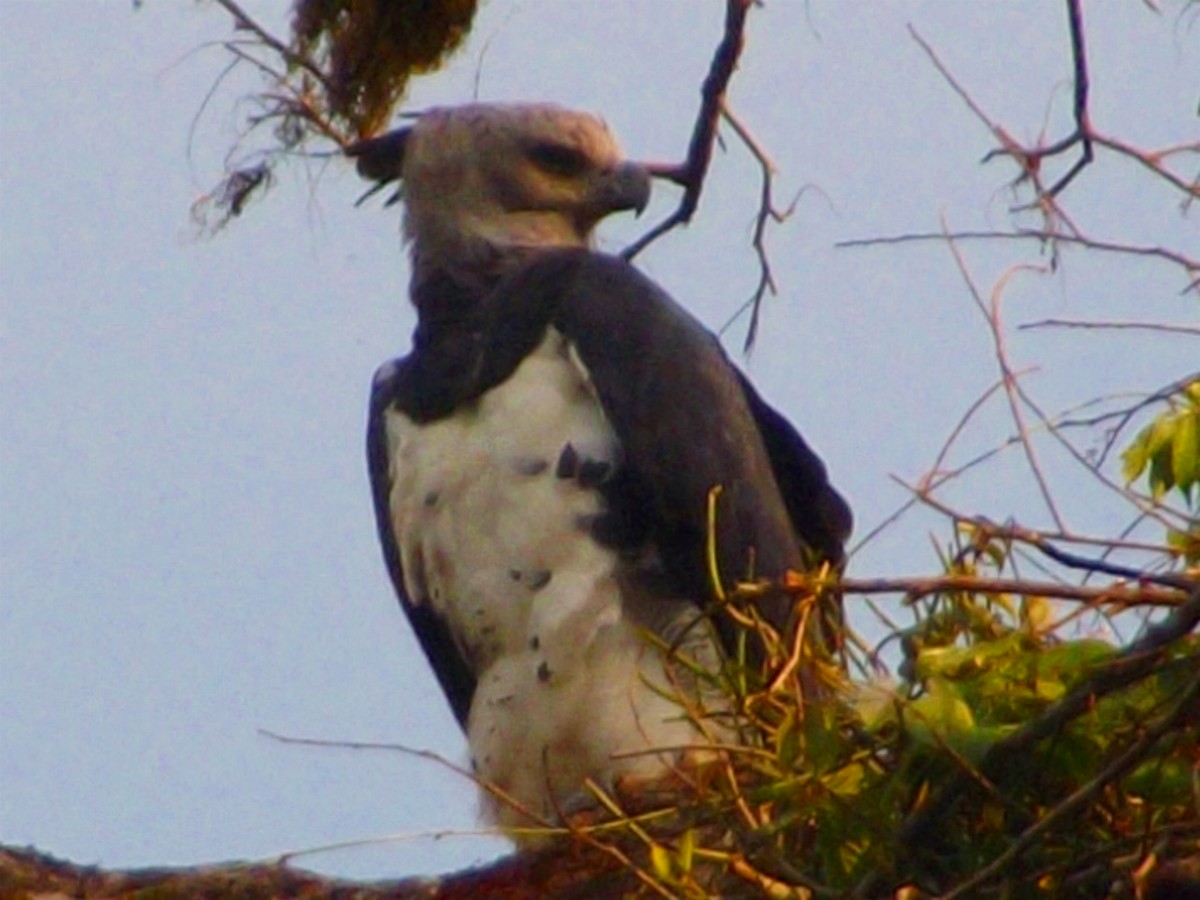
x,y
625,187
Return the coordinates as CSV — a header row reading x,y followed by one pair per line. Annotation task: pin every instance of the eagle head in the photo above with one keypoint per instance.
x,y
486,185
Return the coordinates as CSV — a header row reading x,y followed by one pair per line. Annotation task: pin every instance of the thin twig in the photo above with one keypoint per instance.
x,y
1083,131
1152,160
1124,416
1160,327
1116,594
1189,264
500,794
243,21
991,314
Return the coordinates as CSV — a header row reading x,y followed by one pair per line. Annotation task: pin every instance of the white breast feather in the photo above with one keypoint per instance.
x,y
499,547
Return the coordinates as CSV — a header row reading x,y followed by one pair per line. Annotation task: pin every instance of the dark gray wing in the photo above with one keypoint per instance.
x,y
453,673
818,512
687,420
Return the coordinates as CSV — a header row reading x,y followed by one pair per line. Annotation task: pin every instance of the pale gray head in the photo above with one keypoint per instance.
x,y
484,186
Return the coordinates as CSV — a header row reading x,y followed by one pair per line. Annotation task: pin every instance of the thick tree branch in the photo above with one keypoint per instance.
x,y
566,871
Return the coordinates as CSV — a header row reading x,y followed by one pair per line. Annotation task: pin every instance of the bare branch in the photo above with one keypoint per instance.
x,y
499,793
1124,416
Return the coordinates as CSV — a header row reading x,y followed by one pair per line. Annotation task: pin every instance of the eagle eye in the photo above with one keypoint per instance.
x,y
558,159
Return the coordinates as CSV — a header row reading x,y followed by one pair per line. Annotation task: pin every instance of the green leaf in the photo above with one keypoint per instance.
x,y
1072,661
940,716
1162,479
822,743
1049,688
1185,450
960,662
1136,455
787,740
1186,543
1161,781
846,782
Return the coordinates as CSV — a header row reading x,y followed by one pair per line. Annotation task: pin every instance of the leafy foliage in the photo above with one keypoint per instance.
x,y
1168,449
848,797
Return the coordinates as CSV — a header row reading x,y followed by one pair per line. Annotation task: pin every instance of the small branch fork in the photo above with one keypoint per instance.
x,y
1084,135
1059,227
767,212
690,173
243,21
1030,159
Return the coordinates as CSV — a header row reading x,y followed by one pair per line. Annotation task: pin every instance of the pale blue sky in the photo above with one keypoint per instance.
x,y
187,549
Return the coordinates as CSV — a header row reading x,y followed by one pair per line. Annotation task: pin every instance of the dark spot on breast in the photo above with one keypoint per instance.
x,y
539,579
530,466
568,462
514,574
594,472
543,672
534,642
432,498
586,522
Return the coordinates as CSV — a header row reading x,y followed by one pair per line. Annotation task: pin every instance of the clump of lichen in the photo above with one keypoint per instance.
x,y
369,49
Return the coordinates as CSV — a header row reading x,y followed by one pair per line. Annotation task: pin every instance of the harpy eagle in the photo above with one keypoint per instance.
x,y
543,463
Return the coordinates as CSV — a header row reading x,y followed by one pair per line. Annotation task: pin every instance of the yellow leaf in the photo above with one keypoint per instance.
x,y
660,861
